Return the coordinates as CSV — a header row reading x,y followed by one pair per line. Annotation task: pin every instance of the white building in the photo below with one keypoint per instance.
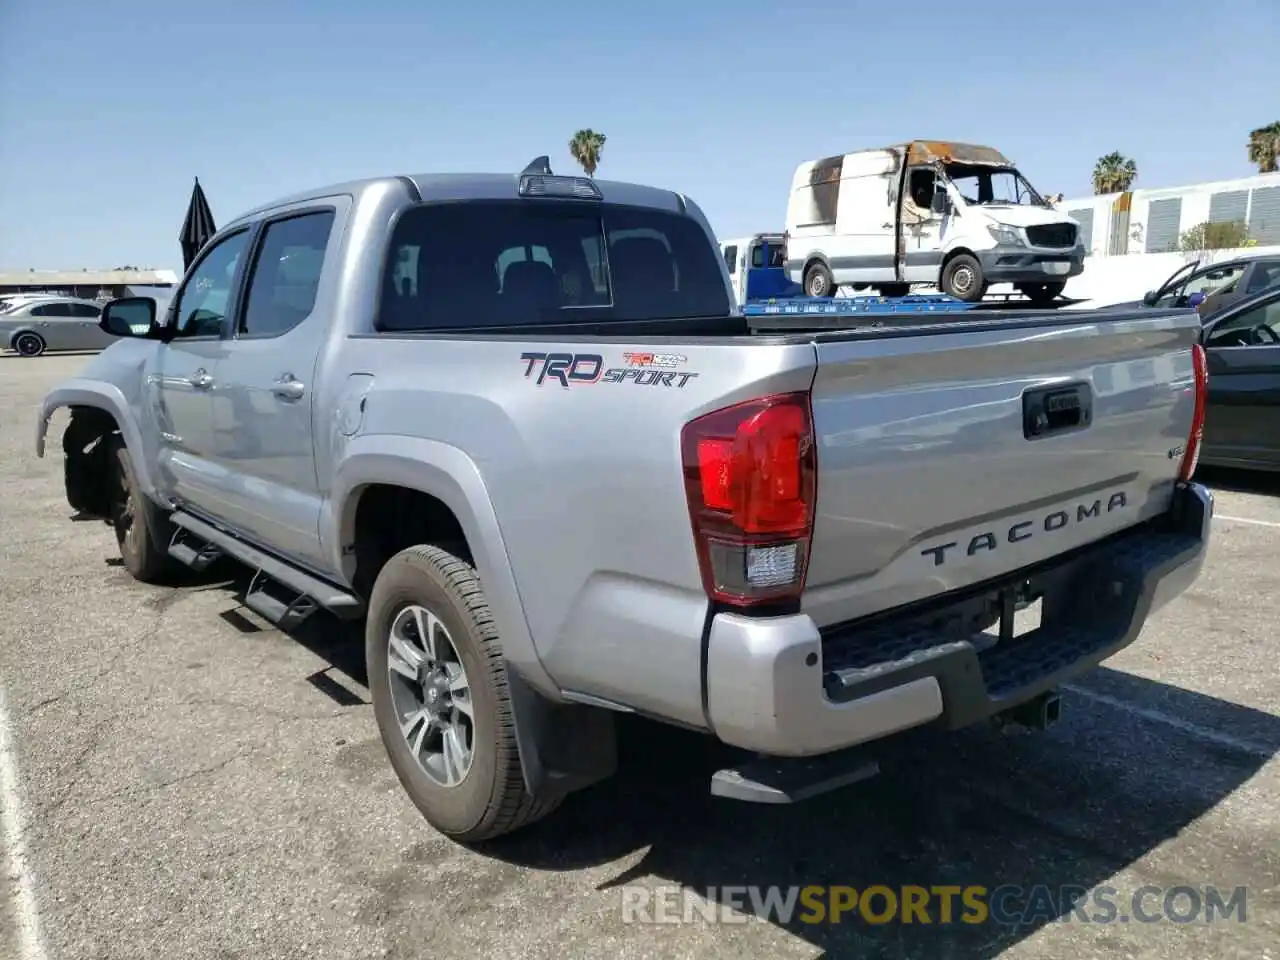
x,y
1152,220
89,284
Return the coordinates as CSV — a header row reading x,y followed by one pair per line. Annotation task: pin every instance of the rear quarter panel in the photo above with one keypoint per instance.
x,y
587,485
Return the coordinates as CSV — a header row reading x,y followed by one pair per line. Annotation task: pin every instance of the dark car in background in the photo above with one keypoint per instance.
x,y
1242,416
1215,286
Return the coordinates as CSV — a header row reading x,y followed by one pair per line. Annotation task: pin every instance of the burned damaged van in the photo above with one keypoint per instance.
x,y
956,215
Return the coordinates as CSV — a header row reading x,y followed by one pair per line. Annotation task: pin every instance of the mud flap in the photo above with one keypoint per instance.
x,y
563,747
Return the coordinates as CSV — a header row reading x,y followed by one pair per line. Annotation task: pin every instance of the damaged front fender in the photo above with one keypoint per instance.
x,y
105,409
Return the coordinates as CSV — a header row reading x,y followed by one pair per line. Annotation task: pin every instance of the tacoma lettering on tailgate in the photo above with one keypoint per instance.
x,y
1026,529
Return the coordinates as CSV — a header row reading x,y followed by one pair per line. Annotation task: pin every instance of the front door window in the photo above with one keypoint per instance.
x,y
203,305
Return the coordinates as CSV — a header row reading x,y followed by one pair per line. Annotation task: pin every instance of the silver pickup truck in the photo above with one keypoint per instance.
x,y
515,423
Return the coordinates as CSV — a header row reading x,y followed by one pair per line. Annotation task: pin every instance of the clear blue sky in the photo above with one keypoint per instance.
x,y
108,109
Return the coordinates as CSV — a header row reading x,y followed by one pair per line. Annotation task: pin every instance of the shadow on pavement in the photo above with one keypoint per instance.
x,y
340,644
1063,810
7,354
1054,813
1240,481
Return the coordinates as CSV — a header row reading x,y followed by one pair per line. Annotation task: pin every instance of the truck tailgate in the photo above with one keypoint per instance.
x,y
948,455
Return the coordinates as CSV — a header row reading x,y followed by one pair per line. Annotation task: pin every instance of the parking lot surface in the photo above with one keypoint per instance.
x,y
180,781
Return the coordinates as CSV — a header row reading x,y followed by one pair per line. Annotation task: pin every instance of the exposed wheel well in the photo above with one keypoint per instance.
x,y
563,747
88,471
390,518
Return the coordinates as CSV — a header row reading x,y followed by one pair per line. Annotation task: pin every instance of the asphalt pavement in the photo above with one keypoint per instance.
x,y
178,780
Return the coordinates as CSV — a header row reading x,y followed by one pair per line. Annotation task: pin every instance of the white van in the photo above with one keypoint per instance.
x,y
954,215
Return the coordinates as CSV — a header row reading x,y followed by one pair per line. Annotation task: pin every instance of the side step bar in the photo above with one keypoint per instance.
x,y
263,598
792,779
279,592
197,555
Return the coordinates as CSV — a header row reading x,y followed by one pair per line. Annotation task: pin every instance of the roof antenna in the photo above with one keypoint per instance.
x,y
540,165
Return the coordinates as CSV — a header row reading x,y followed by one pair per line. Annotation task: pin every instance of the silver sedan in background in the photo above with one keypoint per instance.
x,y
53,323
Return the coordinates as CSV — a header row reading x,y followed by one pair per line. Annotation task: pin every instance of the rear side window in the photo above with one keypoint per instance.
x,y
286,274
455,265
52,310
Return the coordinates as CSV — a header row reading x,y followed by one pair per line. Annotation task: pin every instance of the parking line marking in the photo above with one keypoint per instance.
x,y
13,842
1155,716
1260,523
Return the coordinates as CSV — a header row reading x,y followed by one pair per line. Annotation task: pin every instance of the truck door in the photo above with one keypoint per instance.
x,y
757,277
262,419
182,377
766,270
736,276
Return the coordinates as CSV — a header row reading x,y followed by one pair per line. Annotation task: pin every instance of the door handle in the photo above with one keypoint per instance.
x,y
288,387
201,380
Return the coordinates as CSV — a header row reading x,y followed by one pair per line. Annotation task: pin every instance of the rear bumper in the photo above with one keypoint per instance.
x,y
1031,264
781,686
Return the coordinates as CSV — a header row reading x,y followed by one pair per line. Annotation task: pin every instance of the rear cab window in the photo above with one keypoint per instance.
x,y
546,262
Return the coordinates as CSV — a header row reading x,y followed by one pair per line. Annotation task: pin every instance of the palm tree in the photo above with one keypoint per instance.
x,y
586,147
1114,173
1264,147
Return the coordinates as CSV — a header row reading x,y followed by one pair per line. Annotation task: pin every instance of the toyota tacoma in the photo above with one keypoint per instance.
x,y
515,423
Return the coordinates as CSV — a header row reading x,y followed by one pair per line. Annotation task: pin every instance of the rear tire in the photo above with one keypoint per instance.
x,y
486,798
29,344
818,282
963,279
136,521
1042,294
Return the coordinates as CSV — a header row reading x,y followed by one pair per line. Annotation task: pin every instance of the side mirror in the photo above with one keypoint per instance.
x,y
1195,299
1149,298
939,204
130,317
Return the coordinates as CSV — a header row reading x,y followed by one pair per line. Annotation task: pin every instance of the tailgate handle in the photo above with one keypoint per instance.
x,y
1050,410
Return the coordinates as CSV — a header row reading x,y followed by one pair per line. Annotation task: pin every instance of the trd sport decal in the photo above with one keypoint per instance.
x,y
584,369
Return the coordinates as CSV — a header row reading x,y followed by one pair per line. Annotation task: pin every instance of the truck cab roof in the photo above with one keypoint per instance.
x,y
471,186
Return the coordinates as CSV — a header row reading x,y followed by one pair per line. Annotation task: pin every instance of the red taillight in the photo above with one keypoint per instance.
x,y
1191,456
751,481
